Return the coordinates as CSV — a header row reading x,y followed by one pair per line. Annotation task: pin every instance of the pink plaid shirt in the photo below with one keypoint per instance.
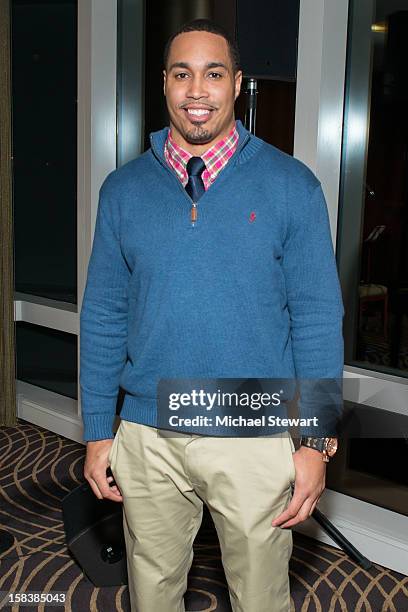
x,y
214,158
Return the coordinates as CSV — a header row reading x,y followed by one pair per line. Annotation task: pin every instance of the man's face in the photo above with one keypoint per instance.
x,y
200,88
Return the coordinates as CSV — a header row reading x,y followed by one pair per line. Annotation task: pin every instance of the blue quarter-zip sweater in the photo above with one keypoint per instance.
x,y
249,291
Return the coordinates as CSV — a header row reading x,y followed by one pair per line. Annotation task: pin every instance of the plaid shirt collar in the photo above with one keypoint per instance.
x,y
214,158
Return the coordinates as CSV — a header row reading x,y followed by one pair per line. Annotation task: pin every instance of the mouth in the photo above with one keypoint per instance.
x,y
198,115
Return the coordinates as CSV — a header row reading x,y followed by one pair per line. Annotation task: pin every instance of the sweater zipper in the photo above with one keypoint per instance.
x,y
193,213
193,209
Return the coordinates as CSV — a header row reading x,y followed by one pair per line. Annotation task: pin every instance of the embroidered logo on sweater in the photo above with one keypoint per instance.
x,y
252,217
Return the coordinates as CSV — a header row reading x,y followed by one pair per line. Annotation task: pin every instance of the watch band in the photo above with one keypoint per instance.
x,y
326,446
316,443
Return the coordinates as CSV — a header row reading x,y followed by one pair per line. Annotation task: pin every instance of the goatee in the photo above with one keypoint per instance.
x,y
198,136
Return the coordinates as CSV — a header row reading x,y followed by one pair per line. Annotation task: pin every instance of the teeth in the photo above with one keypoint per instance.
x,y
197,111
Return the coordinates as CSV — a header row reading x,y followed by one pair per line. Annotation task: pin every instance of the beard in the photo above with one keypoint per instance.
x,y
198,135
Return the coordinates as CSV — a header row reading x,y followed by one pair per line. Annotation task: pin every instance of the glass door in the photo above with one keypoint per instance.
x,y
44,119
372,253
64,70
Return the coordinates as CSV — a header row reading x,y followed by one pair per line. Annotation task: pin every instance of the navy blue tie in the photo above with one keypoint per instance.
x,y
195,185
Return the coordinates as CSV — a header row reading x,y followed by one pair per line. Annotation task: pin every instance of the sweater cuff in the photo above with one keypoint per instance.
x,y
98,426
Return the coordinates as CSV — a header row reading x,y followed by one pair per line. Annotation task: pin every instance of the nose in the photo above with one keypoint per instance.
x,y
197,87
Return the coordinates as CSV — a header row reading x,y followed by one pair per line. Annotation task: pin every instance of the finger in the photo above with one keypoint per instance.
x,y
113,495
105,489
296,503
94,488
115,490
313,506
117,494
301,516
113,486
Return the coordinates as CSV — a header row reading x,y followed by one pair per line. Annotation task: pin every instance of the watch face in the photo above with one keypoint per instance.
x,y
331,446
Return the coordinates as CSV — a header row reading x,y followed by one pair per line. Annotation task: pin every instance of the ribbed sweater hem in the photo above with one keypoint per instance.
x,y
143,410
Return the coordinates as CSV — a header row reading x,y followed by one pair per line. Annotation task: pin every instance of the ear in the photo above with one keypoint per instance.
x,y
238,82
164,82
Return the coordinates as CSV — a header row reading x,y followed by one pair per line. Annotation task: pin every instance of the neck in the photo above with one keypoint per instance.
x,y
197,150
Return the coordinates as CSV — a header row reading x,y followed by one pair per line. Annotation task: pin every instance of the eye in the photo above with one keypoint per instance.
x,y
181,75
215,75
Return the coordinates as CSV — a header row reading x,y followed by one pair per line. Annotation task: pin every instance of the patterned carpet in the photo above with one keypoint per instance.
x,y
38,468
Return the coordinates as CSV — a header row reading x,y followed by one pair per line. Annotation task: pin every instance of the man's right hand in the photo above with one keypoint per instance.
x,y
96,464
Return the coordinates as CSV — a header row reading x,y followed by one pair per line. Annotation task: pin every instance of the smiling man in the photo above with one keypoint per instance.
x,y
212,258
200,94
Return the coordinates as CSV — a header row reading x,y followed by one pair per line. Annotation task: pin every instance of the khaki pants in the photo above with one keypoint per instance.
x,y
245,482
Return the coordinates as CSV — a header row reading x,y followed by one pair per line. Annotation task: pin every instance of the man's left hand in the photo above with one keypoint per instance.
x,y
309,485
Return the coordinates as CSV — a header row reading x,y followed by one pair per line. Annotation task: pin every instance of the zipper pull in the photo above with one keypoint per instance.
x,y
193,213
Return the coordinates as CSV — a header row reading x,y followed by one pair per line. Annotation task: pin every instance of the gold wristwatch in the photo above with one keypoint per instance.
x,y
327,446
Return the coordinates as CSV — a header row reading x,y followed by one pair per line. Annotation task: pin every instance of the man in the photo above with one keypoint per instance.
x,y
212,258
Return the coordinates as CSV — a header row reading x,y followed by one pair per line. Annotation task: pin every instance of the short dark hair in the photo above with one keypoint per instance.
x,y
205,25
